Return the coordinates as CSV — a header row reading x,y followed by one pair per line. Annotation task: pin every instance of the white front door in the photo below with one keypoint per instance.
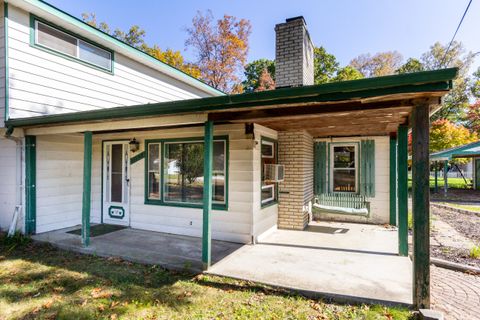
x,y
116,183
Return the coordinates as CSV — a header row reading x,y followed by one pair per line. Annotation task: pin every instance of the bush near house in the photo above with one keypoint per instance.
x,y
40,282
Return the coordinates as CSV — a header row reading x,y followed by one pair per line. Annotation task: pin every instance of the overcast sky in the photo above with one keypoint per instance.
x,y
345,28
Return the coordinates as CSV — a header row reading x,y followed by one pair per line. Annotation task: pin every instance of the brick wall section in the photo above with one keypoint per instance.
x,y
293,54
295,151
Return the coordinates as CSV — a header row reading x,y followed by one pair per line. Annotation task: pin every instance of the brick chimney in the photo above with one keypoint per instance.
x,y
293,54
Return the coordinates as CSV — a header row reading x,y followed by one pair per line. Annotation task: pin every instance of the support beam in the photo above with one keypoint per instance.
x,y
421,206
402,165
30,184
435,166
393,181
207,196
87,184
445,177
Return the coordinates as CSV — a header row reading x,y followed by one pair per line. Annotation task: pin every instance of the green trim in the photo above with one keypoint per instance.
x,y
113,216
207,195
275,201
33,44
7,80
427,81
393,181
367,168
169,70
87,185
161,202
320,167
30,184
464,151
402,166
137,157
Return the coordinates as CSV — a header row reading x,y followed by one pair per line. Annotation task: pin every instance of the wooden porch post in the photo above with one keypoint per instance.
x,y
421,205
393,181
402,190
445,176
207,195
87,178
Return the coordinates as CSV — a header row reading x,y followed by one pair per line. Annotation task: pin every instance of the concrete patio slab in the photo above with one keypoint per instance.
x,y
170,251
345,261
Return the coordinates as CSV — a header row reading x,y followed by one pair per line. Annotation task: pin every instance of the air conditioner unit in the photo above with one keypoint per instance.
x,y
273,172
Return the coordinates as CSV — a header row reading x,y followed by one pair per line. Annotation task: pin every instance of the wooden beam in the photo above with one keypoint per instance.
x,y
393,181
87,184
421,206
402,189
30,184
207,196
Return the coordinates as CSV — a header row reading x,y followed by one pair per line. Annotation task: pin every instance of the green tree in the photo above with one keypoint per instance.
x,y
347,73
325,65
412,65
253,71
444,134
380,64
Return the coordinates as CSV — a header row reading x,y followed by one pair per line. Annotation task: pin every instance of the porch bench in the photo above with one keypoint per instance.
x,y
341,203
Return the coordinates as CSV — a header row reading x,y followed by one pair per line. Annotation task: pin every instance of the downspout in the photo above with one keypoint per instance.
x,y
18,169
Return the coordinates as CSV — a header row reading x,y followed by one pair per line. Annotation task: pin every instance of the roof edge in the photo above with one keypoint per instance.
x,y
164,67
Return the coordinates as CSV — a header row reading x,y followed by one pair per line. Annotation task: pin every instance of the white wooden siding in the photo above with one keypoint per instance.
x,y
43,83
263,218
2,67
8,158
380,204
59,181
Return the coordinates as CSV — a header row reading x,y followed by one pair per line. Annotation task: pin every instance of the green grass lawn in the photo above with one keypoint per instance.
x,y
40,282
455,183
463,206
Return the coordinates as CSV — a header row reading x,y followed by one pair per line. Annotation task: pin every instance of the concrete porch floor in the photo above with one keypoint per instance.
x,y
345,261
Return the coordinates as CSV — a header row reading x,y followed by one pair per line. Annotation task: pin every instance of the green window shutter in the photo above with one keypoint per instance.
x,y
367,168
320,167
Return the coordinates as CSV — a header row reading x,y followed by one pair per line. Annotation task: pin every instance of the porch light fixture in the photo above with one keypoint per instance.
x,y
134,145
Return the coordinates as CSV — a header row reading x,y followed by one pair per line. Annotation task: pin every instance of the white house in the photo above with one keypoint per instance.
x,y
75,101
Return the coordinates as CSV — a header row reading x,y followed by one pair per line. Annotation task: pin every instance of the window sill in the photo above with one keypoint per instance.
x,y
219,207
268,204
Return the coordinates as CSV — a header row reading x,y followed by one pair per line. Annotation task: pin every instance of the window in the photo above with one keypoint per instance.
x,y
182,172
269,156
344,168
56,40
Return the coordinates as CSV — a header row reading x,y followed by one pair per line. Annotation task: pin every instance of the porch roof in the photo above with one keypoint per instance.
x,y
366,106
470,150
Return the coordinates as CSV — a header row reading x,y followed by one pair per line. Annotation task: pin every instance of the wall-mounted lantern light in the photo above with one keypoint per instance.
x,y
134,145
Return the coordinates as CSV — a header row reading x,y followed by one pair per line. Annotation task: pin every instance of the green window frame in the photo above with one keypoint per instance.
x,y
163,171
273,159
79,40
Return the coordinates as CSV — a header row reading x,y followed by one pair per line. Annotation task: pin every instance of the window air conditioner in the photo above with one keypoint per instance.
x,y
273,172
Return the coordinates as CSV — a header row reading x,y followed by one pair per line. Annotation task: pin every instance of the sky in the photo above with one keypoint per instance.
x,y
346,28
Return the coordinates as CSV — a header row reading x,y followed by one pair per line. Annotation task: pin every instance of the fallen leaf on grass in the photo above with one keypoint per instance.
x,y
99,293
114,317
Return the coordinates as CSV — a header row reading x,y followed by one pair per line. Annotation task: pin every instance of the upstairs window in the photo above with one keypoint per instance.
x,y
56,40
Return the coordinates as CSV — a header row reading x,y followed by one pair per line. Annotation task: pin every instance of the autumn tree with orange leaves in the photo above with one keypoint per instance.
x,y
221,49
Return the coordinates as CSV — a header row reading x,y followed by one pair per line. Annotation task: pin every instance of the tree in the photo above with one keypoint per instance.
x,y
325,65
220,47
380,64
265,82
347,73
253,71
473,117
444,134
135,37
412,65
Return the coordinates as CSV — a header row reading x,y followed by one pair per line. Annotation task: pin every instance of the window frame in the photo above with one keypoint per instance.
x,y
215,205
268,202
34,20
331,168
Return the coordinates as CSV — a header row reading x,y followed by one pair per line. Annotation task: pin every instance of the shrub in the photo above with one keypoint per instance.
x,y
475,252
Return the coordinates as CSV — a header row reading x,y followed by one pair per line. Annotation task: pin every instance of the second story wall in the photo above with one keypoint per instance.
x,y
43,83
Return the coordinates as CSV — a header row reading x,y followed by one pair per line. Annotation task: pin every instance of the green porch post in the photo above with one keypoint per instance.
x,y
393,181
445,176
207,195
402,166
87,178
30,184
421,205
435,168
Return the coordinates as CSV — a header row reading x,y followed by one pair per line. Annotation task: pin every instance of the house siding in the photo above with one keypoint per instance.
x,y
2,65
42,83
8,158
380,203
